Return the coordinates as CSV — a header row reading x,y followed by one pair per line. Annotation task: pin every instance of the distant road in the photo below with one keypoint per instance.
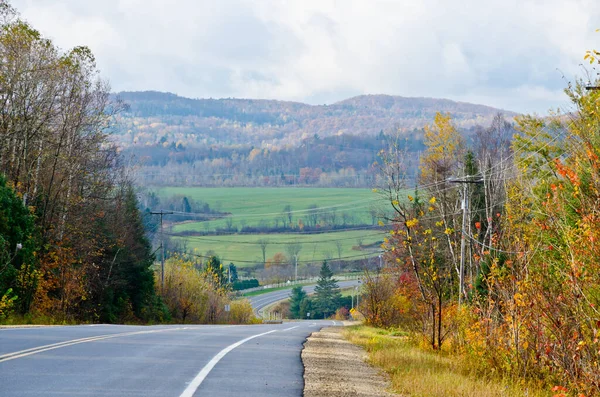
x,y
174,360
259,302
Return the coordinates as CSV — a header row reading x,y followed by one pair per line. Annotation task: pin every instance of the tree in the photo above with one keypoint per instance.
x,y
214,271
312,216
286,216
327,292
232,273
18,244
263,243
298,295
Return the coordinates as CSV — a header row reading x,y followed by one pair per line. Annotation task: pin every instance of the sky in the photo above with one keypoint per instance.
x,y
517,55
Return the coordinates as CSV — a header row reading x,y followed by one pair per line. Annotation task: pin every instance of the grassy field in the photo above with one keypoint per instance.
x,y
417,372
241,249
256,206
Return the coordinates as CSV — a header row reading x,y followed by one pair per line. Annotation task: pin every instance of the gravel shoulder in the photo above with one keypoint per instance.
x,y
335,367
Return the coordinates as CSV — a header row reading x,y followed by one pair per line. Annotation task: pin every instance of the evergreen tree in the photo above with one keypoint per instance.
x,y
298,295
17,246
214,269
327,292
234,273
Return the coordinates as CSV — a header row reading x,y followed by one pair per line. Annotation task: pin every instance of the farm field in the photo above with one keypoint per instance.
x,y
243,249
264,206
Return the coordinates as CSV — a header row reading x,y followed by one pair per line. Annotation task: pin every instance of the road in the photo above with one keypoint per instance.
x,y
259,302
174,360
164,360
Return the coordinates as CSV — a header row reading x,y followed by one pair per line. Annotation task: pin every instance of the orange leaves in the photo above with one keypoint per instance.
x,y
566,172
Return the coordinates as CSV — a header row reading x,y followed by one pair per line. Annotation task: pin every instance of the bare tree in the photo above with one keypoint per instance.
x,y
263,243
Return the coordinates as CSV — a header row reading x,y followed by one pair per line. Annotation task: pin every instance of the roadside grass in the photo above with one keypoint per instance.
x,y
418,372
267,290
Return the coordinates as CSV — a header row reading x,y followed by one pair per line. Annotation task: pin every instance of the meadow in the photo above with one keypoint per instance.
x,y
244,249
256,207
264,206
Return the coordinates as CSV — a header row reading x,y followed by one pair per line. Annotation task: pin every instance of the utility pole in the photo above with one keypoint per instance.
x,y
162,247
463,241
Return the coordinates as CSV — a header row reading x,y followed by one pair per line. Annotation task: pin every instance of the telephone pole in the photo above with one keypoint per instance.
x,y
162,247
465,207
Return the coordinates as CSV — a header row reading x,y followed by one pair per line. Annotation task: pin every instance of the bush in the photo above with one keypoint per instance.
x,y
241,312
245,284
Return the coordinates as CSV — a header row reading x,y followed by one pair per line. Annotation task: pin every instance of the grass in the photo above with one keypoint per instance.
x,y
267,290
244,250
256,206
418,372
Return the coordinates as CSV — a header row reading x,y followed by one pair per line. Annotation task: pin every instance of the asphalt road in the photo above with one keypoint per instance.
x,y
259,302
174,360
165,360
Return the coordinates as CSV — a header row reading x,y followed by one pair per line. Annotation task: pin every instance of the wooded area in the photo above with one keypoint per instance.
x,y
494,255
73,244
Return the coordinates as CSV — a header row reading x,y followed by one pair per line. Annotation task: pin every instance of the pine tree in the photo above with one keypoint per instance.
x,y
327,292
298,295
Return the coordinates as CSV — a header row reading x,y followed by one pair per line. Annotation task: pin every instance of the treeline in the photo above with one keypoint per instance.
x,y
73,245
338,161
513,286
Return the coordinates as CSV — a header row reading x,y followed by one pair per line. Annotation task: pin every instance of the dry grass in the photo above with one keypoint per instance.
x,y
418,372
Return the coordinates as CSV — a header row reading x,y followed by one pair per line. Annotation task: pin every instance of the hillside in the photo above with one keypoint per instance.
x,y
155,117
248,142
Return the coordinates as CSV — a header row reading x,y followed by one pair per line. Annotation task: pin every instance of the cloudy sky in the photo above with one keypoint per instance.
x,y
512,54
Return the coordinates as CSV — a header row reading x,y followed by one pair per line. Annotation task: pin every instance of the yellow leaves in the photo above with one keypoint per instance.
x,y
439,224
395,202
412,222
432,200
448,231
374,190
380,223
411,198
431,208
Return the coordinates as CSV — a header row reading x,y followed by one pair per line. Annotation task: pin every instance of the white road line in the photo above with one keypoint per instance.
x,y
287,329
197,381
44,348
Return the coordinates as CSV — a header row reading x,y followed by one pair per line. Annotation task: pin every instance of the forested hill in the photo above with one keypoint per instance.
x,y
156,117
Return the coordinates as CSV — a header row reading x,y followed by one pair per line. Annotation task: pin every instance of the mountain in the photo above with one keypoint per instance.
x,y
158,118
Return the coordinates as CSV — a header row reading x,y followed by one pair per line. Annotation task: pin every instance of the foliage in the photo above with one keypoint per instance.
x,y
241,312
191,295
417,372
296,298
530,308
18,242
327,293
244,284
84,253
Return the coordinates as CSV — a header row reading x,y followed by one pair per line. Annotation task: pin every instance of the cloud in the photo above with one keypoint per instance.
x,y
506,53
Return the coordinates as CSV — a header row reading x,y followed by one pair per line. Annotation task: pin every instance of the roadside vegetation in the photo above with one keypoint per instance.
x,y
418,371
492,262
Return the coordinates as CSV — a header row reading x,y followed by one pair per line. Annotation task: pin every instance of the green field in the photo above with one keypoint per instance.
x,y
263,206
244,250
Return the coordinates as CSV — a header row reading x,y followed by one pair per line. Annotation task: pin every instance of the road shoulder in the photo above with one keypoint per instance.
x,y
335,367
